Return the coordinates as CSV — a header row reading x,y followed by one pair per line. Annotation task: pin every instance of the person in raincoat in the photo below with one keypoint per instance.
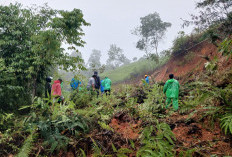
x,y
102,88
56,90
106,83
171,89
48,87
97,82
80,88
75,83
146,79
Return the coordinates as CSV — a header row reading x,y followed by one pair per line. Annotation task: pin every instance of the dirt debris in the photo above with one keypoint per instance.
x,y
191,133
124,125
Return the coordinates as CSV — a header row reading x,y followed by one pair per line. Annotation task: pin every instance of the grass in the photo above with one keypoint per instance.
x,y
132,70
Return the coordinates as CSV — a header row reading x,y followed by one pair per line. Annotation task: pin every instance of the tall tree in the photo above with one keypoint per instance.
x,y
151,32
94,60
211,12
30,45
116,57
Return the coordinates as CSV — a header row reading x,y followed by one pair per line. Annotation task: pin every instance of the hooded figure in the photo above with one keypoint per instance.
x,y
171,89
74,83
48,87
147,79
56,88
102,88
106,83
97,80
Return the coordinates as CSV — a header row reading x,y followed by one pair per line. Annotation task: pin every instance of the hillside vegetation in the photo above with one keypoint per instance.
x,y
133,70
131,122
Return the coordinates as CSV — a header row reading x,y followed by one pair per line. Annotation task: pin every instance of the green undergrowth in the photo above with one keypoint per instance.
x,y
82,125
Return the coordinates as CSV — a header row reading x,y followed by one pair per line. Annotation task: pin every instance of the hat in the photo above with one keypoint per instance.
x,y
49,79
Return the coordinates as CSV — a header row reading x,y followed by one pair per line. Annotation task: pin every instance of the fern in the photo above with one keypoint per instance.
x,y
83,152
159,145
96,149
27,146
122,152
226,123
187,153
105,126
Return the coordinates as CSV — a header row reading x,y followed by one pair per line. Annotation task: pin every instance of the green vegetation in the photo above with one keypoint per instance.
x,y
133,120
30,45
133,70
86,129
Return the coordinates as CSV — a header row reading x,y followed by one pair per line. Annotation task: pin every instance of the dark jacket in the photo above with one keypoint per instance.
x,y
48,88
97,82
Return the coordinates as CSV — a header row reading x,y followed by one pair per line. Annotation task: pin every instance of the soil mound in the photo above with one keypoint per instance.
x,y
124,125
190,133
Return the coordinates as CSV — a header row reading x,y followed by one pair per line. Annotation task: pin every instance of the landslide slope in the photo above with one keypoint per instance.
x,y
190,65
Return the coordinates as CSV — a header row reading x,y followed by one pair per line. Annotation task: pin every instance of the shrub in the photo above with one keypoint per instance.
x,y
184,42
81,98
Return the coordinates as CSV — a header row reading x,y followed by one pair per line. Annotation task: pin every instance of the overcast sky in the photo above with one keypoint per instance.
x,y
113,20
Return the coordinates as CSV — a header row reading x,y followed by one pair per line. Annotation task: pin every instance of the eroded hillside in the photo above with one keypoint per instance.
x,y
191,64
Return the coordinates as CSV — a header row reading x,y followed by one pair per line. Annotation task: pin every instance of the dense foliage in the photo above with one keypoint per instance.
x,y
31,48
84,127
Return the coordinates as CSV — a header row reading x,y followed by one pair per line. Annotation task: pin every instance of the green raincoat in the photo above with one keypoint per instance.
x,y
106,83
171,88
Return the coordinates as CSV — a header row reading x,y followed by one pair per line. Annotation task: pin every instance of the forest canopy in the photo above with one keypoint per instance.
x,y
31,47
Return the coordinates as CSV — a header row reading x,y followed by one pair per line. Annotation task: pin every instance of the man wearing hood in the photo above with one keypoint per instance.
x,y
106,83
56,90
97,82
171,89
75,84
48,87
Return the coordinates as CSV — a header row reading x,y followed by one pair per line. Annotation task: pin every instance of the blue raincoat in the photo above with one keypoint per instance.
x,y
74,83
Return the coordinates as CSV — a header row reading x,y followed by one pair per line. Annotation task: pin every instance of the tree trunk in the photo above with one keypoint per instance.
x,y
34,88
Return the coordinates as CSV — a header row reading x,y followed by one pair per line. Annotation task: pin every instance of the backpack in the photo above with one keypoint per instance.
x,y
97,82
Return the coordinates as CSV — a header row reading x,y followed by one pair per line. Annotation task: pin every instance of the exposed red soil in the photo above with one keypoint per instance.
x,y
125,126
191,133
126,129
196,136
187,64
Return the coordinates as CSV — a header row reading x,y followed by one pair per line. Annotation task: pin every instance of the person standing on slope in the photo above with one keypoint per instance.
x,y
48,87
102,88
171,89
97,82
56,90
147,79
75,84
91,84
106,83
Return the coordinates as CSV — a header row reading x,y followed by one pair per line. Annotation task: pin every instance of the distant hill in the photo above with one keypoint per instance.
x,y
133,70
